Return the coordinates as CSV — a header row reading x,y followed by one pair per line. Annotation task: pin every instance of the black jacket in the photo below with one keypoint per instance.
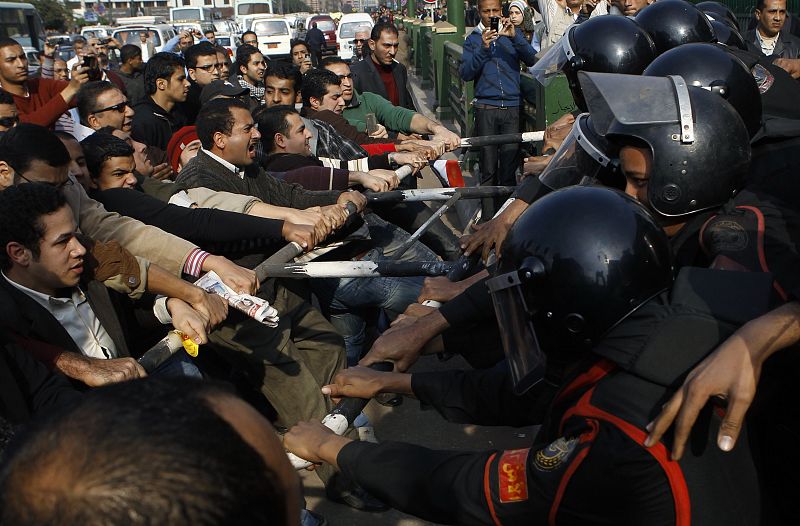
x,y
217,231
134,86
27,386
367,78
788,46
587,465
153,125
315,38
121,318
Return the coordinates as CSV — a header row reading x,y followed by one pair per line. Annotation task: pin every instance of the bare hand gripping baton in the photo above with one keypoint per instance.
x,y
342,415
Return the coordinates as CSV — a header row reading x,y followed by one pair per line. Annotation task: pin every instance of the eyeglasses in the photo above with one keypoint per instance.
x,y
360,40
210,67
348,76
57,186
9,122
116,107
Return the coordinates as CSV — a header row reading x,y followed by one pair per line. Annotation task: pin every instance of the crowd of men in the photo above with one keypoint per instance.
x,y
636,298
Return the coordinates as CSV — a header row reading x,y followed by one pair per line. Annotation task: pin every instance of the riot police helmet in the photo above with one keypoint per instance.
x,y
719,12
671,23
712,67
728,36
698,144
583,158
575,264
608,44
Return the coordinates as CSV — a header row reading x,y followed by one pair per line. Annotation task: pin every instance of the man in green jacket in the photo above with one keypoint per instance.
x,y
395,119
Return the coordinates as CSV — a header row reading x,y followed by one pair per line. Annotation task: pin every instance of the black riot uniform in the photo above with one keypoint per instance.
x,y
588,464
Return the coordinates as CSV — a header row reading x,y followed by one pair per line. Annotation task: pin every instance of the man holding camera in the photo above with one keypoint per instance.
x,y
39,101
492,53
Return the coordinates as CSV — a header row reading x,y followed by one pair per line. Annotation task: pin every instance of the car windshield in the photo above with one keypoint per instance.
x,y
325,25
131,36
254,9
224,41
348,29
270,28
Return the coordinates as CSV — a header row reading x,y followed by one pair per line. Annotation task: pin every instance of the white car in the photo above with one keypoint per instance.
x,y
274,36
159,34
348,25
229,41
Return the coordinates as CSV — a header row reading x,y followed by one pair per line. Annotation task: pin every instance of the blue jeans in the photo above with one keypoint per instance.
x,y
346,301
179,364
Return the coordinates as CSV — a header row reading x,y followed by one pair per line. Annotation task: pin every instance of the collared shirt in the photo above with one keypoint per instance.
x,y
75,314
232,167
767,44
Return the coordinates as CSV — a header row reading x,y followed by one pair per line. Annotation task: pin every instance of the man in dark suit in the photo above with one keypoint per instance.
x,y
315,39
381,73
82,325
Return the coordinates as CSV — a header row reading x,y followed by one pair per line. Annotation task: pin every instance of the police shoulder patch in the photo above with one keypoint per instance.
x,y
512,476
553,455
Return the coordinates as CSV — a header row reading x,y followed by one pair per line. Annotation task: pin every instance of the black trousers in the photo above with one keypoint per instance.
x,y
494,120
316,56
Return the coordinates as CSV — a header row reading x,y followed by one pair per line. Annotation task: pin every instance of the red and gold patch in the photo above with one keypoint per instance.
x,y
512,480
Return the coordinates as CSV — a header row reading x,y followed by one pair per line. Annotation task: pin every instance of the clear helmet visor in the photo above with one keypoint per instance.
x,y
526,360
580,160
553,60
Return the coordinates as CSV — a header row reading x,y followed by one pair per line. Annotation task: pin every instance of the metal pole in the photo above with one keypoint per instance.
x,y
356,269
455,15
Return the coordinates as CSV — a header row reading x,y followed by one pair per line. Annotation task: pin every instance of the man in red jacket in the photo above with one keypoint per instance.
x,y
39,101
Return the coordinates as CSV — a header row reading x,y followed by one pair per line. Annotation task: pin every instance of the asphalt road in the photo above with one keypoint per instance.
x,y
408,423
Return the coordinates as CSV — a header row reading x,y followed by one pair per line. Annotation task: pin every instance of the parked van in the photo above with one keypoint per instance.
x,y
346,31
274,36
159,34
200,27
96,31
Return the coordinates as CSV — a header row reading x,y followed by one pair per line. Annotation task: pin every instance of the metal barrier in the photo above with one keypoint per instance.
x,y
460,93
427,65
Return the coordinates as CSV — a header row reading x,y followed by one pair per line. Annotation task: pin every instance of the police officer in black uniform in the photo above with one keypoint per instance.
x,y
584,268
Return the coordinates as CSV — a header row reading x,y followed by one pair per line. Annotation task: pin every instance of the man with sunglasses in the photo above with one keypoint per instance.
x,y
360,45
9,117
102,104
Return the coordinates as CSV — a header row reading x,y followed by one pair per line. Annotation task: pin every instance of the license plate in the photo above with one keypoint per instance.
x,y
272,46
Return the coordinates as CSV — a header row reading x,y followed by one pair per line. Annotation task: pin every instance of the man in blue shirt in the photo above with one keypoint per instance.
x,y
492,60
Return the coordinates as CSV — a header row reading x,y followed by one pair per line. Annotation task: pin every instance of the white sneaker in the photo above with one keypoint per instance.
x,y
367,434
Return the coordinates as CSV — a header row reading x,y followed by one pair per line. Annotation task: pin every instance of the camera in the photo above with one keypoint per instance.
x,y
494,23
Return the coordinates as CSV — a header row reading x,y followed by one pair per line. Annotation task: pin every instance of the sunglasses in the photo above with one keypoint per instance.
x,y
210,67
116,107
348,76
9,122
